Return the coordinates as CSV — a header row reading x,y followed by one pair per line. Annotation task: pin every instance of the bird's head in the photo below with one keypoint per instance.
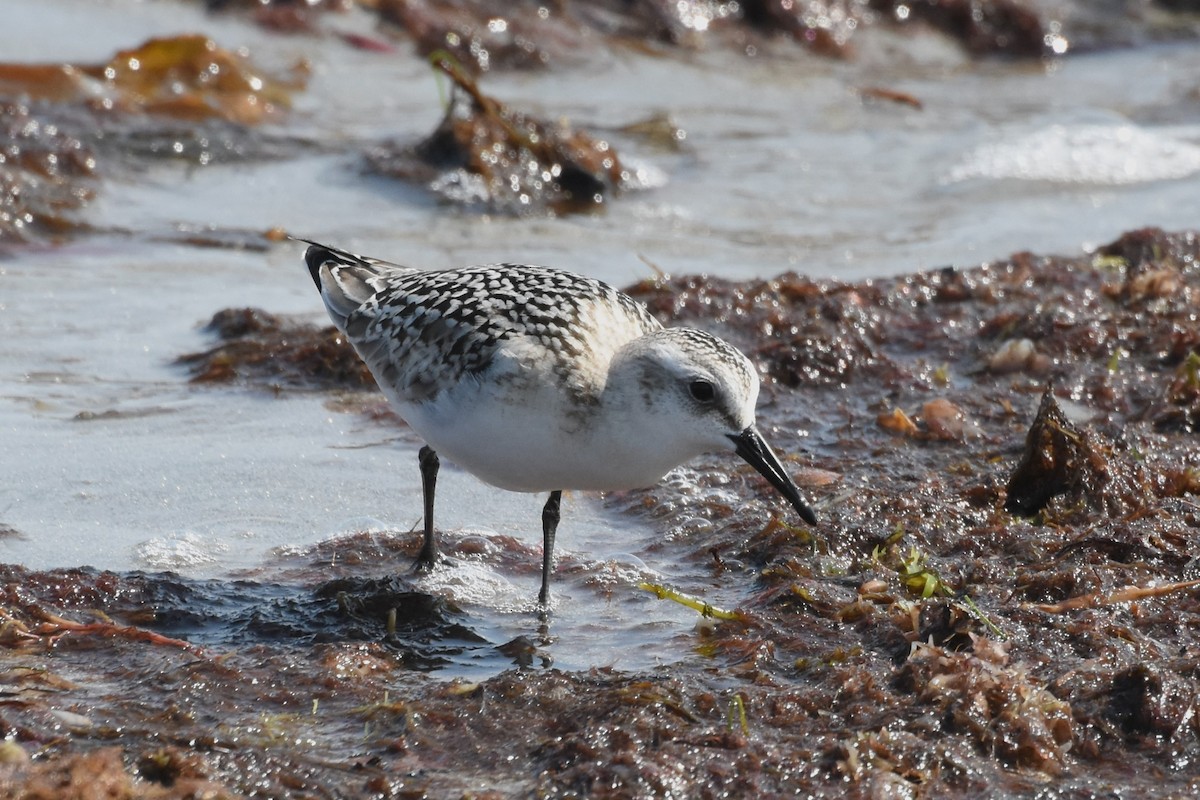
x,y
703,392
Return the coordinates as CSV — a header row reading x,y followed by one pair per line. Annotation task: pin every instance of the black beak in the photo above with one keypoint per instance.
x,y
758,454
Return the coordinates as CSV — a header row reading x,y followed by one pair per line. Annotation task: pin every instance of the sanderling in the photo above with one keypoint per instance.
x,y
534,379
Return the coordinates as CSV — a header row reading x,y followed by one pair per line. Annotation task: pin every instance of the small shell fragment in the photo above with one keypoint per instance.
x,y
1018,355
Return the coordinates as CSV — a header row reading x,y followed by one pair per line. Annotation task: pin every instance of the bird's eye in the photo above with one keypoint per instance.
x,y
702,391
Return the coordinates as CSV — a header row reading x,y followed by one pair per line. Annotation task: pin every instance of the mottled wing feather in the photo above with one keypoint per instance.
x,y
423,332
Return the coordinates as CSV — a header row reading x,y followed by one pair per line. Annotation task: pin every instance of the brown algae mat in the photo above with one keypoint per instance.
x,y
487,35
488,156
181,97
998,601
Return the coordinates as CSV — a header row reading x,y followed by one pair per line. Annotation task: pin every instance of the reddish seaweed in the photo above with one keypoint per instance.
x,y
484,153
485,34
483,37
920,640
185,77
46,174
181,97
1007,27
261,346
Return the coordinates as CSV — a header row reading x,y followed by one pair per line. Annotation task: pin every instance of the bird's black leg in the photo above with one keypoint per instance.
x,y
429,462
550,517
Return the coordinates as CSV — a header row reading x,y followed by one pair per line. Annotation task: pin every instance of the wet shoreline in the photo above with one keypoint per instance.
x,y
1000,597
920,639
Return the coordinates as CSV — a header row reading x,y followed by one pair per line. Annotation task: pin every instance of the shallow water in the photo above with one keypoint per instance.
x,y
111,459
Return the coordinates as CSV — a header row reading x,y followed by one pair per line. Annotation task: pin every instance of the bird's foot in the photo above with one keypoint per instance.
x,y
426,560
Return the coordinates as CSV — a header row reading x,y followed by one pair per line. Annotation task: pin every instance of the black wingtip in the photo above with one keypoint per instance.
x,y
315,256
